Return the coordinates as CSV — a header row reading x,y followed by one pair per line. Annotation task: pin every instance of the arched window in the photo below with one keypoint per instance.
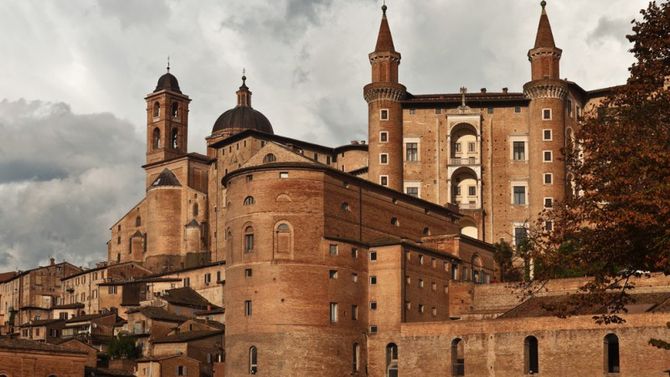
x,y
269,158
611,351
356,358
458,357
175,109
426,231
175,137
248,239
138,221
157,109
394,221
477,269
253,360
345,206
196,209
284,238
391,360
156,138
249,200
531,356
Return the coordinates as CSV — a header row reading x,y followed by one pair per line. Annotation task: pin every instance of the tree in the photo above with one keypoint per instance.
x,y
504,257
123,346
617,223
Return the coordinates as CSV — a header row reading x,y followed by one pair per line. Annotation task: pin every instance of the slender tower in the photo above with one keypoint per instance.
x,y
383,96
546,135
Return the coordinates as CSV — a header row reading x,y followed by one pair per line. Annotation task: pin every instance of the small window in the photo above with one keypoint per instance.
x,y
332,250
395,221
373,305
269,158
569,108
517,109
433,286
472,190
411,152
548,178
181,370
412,191
546,135
549,226
471,147
248,272
373,280
187,282
420,283
283,175
373,256
384,180
412,111
354,312
426,231
421,308
248,239
332,274
247,308
519,150
138,221
174,140
195,209
408,305
490,110
548,202
531,359
519,195
249,200
438,111
175,110
434,311
383,137
333,312
354,252
354,277
611,351
384,158
355,358
420,259
384,114
373,329
547,156
546,114
457,147
253,360
207,278
157,109
249,178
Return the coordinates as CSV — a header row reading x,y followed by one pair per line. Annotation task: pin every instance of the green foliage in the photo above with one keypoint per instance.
x,y
123,347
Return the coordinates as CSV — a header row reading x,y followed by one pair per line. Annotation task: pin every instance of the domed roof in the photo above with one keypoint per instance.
x,y
243,117
168,82
166,178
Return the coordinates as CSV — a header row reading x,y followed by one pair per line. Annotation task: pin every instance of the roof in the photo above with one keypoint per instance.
x,y
159,314
207,312
106,372
210,323
186,296
76,305
168,82
26,272
7,276
544,37
43,322
160,358
542,306
476,99
29,345
384,38
88,317
166,178
190,156
188,336
243,117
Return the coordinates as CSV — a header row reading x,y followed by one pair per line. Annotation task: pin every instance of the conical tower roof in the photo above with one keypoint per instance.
x,y
545,37
384,38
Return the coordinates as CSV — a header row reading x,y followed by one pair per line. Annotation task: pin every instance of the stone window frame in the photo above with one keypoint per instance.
x,y
384,114
551,179
411,140
518,138
383,137
544,155
412,184
544,112
551,134
383,157
383,178
519,184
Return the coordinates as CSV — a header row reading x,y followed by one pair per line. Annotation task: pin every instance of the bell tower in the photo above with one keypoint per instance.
x,y
167,120
383,96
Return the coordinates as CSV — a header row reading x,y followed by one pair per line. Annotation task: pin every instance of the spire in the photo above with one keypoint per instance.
x,y
244,94
384,39
544,38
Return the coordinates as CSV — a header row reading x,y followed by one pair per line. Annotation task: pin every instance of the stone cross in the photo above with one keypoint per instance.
x,y
463,91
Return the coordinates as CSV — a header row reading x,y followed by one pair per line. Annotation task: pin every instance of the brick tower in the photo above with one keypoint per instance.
x,y
167,120
546,135
383,96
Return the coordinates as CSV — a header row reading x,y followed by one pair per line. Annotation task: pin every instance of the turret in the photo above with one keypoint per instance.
x,y
383,96
545,57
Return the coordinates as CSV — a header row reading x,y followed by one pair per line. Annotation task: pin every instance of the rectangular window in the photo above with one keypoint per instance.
x,y
384,114
569,108
546,135
433,286
354,252
208,278
333,312
420,283
411,152
373,305
247,308
373,329
332,250
332,274
383,158
546,114
187,282
454,272
412,111
373,280
520,234
354,277
384,180
283,175
421,308
438,111
457,147
354,312
248,272
548,202
181,370
547,156
472,190
519,150
519,195
517,109
548,178
383,137
408,305
373,256
434,310
471,147
412,191
490,110
549,226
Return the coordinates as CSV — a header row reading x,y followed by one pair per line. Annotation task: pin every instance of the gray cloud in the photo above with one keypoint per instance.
x,y
610,29
68,178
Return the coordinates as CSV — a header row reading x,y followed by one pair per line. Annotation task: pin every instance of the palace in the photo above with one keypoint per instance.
x,y
276,256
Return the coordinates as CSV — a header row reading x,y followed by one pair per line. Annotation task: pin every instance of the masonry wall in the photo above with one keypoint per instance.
x,y
24,363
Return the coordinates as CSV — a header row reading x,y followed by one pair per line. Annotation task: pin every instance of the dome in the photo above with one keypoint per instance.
x,y
168,82
243,118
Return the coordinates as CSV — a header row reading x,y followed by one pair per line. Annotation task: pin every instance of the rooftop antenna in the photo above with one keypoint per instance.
x,y
168,63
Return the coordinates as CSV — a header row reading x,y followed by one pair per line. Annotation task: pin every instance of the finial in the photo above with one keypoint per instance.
x,y
384,8
543,3
168,64
463,91
244,76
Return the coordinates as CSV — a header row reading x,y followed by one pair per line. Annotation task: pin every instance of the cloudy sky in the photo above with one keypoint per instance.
x,y
73,75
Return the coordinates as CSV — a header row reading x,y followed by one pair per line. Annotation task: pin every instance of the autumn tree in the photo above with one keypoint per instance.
x,y
617,223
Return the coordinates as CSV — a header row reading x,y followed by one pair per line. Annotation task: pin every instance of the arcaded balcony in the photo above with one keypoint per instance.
x,y
464,145
465,187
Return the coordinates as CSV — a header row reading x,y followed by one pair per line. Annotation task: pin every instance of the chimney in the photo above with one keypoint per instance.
x,y
505,90
483,90
52,261
354,142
